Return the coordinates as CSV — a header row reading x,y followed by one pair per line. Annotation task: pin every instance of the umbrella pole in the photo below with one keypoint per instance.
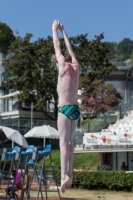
x,y
12,144
44,142
31,114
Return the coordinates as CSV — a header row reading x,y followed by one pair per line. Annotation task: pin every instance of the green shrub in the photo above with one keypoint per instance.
x,y
110,180
85,121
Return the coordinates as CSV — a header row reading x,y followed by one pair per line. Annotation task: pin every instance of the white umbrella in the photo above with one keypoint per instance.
x,y
14,136
43,132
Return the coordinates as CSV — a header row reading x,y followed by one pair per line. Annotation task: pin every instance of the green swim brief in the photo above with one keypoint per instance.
x,y
72,112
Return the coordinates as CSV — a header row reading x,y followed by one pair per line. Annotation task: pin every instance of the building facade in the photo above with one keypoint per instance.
x,y
122,79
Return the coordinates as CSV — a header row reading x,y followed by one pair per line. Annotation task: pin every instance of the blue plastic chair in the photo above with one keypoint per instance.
x,y
31,162
29,150
47,150
14,151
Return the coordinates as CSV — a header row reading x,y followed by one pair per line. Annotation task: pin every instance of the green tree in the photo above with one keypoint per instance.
x,y
99,99
92,79
97,65
132,55
112,46
92,53
125,47
32,73
6,37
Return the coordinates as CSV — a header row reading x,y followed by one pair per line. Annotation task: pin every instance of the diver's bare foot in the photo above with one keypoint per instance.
x,y
69,182
64,183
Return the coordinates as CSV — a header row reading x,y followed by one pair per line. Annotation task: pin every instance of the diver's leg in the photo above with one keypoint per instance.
x,y
64,132
71,151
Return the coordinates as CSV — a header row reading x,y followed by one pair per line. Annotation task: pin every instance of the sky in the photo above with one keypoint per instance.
x,y
111,17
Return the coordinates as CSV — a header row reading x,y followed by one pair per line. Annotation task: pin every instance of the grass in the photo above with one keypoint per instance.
x,y
80,194
86,160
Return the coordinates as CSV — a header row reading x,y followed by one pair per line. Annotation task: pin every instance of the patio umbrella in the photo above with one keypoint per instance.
x,y
14,136
43,132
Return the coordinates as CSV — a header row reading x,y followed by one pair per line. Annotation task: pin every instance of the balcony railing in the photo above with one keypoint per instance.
x,y
124,64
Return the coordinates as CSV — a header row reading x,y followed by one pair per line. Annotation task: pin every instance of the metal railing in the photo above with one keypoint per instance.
x,y
110,117
25,124
124,64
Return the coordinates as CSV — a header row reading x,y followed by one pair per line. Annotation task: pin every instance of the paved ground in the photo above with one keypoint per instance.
x,y
32,198
34,186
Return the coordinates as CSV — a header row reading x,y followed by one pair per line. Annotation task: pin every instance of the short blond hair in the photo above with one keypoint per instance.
x,y
53,58
67,56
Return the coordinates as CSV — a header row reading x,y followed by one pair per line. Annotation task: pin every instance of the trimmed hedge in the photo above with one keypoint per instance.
x,y
110,180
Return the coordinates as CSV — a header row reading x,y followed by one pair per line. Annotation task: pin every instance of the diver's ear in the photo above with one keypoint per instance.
x,y
57,65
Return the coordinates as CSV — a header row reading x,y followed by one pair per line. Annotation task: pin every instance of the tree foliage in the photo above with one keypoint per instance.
x,y
32,72
97,65
99,99
132,55
112,46
125,47
6,37
119,52
93,54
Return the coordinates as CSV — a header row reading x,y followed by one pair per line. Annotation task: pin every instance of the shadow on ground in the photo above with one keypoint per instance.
x,y
82,198
34,198
3,198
